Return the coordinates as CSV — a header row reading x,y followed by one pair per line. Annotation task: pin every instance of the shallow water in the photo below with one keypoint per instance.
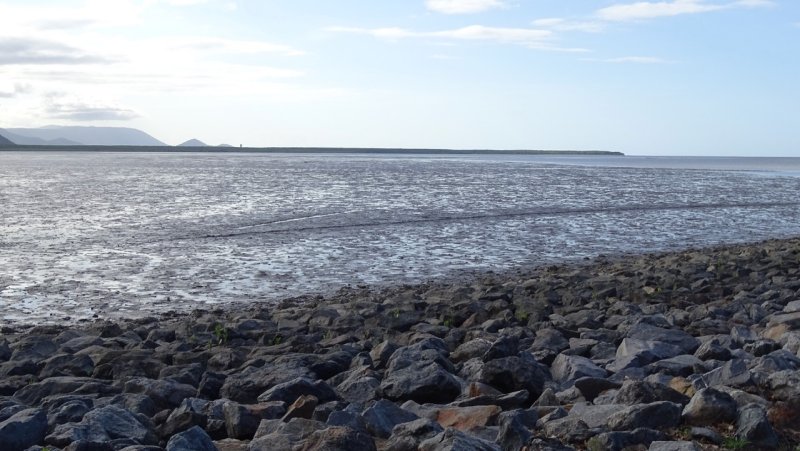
x,y
123,234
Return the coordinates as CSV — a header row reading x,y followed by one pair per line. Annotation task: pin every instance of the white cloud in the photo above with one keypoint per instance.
x,y
651,10
523,36
463,6
633,59
558,24
81,111
10,90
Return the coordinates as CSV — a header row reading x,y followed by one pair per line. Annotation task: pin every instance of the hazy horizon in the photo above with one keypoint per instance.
x,y
671,77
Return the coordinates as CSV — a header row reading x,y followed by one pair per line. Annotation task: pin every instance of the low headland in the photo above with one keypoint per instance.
x,y
307,150
690,350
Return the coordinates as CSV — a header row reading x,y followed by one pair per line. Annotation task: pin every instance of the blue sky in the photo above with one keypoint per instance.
x,y
672,77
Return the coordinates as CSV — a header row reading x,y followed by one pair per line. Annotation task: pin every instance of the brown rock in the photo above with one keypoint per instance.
x,y
303,407
468,418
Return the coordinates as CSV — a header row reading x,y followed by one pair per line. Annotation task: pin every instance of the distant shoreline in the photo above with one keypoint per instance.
x,y
307,150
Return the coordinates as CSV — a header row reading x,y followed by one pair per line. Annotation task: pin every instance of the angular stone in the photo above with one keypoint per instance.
x,y
102,425
194,439
657,415
422,381
455,440
303,407
408,436
23,429
165,393
633,353
33,394
591,387
752,425
643,392
709,406
595,416
383,416
568,368
338,438
289,391
511,374
682,365
675,337
467,418
618,440
678,445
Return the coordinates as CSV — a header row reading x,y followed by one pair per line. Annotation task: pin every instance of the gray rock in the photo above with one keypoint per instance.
x,y
681,445
408,436
591,387
657,415
383,416
595,416
742,335
713,350
23,429
643,392
194,439
709,406
733,373
338,438
381,353
514,431
511,374
289,391
470,349
752,425
568,368
33,347
633,353
67,365
706,435
242,421
102,425
165,394
349,419
455,440
682,365
505,346
675,337
617,440
422,380
33,394
359,388
245,386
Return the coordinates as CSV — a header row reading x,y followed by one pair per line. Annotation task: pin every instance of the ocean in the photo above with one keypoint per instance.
x,y
108,234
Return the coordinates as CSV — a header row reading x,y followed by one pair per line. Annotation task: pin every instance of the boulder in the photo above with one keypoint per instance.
x,y
102,425
408,436
166,394
658,415
568,368
289,391
23,429
753,426
709,406
383,416
455,440
338,438
521,372
194,439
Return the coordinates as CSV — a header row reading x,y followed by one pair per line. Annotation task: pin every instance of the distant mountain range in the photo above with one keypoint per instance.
x,y
75,135
5,142
193,143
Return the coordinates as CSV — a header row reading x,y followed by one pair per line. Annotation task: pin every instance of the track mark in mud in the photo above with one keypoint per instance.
x,y
499,215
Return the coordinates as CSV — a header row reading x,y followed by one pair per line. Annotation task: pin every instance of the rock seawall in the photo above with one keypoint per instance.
x,y
690,350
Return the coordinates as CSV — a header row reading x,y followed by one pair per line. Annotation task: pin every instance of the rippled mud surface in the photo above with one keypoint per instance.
x,y
130,234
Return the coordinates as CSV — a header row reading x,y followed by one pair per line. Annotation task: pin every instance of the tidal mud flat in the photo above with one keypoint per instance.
x,y
697,349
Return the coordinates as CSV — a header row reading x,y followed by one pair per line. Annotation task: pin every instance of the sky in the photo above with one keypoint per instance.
x,y
671,77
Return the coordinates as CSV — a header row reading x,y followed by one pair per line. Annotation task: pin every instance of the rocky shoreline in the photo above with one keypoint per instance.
x,y
690,350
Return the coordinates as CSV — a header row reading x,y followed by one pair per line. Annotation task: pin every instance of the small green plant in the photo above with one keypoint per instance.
x,y
276,340
221,334
522,316
328,335
396,313
734,443
447,322
594,444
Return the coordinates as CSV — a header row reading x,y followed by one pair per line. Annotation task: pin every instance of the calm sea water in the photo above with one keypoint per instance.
x,y
121,234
